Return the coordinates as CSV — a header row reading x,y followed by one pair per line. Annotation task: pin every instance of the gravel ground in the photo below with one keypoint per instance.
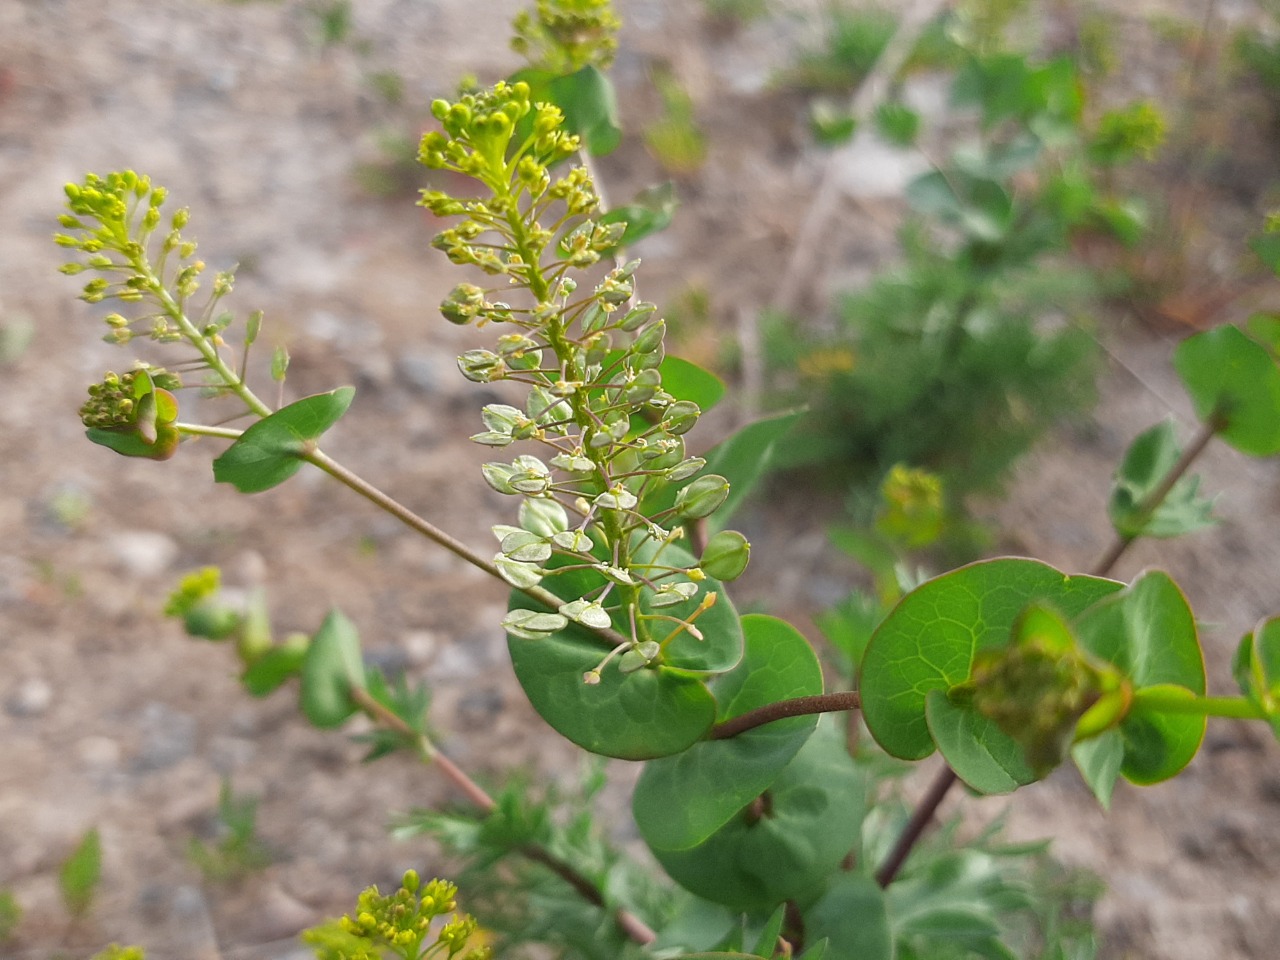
x,y
111,719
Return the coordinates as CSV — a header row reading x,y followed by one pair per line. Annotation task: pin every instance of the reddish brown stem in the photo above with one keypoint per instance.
x,y
1152,501
915,827
796,707
631,925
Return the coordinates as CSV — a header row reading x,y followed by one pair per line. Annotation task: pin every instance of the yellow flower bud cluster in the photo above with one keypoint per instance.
x,y
564,36
402,922
114,402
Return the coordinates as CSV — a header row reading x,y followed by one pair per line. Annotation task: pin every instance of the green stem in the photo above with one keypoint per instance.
x,y
402,513
200,430
1166,700
459,549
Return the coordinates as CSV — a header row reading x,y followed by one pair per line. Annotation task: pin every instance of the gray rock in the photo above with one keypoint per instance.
x,y
425,372
168,736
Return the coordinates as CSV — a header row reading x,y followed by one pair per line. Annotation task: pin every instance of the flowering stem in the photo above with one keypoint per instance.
x,y
197,339
432,532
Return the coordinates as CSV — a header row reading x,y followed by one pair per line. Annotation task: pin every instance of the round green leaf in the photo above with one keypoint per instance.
x,y
650,212
742,459
1231,376
681,800
1098,759
331,668
652,712
688,381
590,108
266,454
930,638
985,757
1148,631
649,713
809,821
1256,668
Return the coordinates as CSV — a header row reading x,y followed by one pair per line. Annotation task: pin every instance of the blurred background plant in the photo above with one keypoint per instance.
x,y
236,849
960,356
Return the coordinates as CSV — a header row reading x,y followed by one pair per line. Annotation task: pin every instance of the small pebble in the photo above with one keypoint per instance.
x,y
143,553
31,698
418,646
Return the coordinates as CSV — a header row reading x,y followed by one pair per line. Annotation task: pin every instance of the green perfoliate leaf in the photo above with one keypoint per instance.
x,y
742,459
688,381
590,106
150,432
1235,379
650,212
1148,632
80,874
274,667
853,918
268,453
681,800
1147,462
786,845
331,669
587,100
929,640
986,758
651,712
